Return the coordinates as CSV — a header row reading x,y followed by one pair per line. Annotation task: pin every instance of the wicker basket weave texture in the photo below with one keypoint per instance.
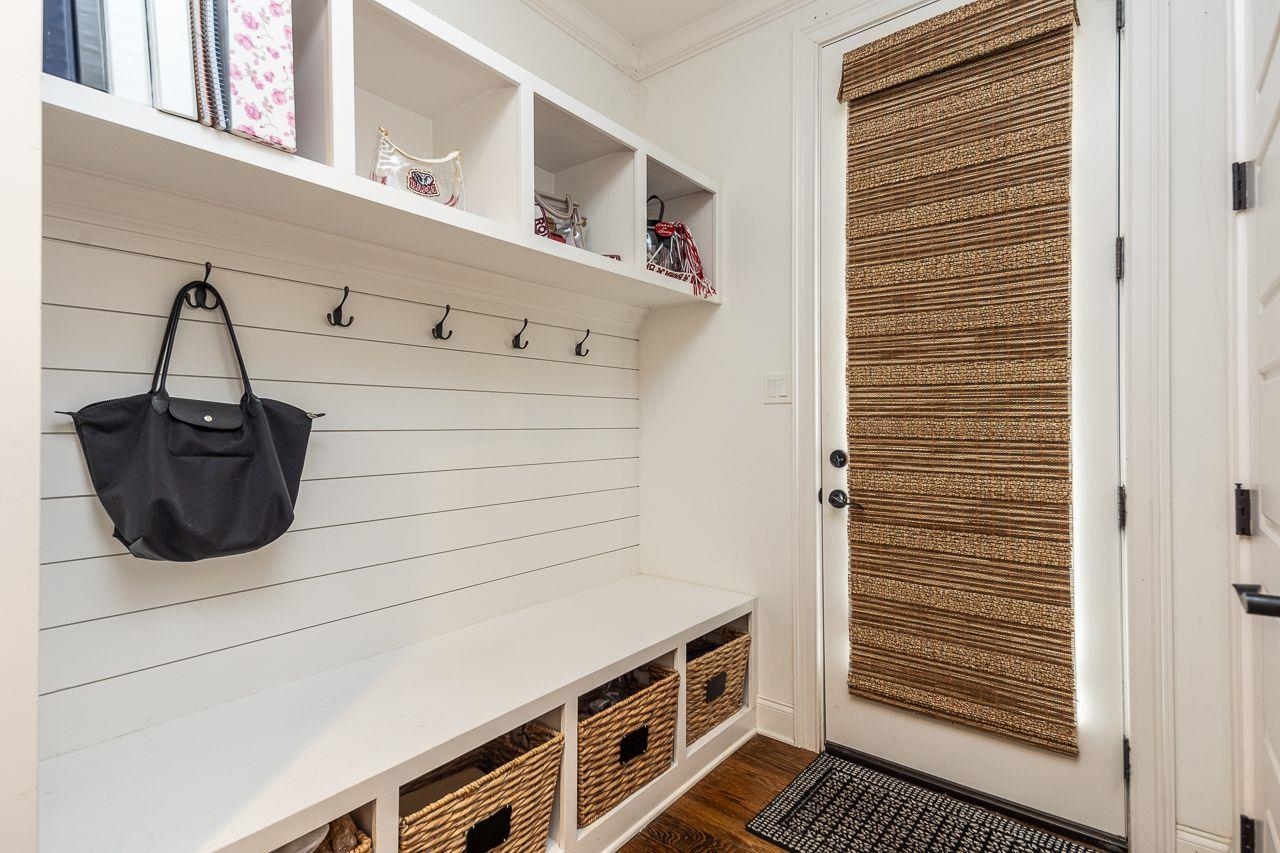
x,y
603,780
730,659
524,779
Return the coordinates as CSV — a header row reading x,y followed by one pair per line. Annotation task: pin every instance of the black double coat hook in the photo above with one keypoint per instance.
x,y
200,296
335,316
516,341
578,350
437,331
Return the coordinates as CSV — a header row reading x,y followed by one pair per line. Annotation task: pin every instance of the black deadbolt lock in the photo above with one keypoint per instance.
x,y
839,458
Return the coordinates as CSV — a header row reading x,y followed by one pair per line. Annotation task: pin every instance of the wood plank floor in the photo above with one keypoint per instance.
x,y
712,817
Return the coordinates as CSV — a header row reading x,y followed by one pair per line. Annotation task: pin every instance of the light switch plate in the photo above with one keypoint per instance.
x,y
777,388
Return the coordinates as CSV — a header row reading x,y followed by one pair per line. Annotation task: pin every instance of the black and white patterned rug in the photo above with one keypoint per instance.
x,y
838,806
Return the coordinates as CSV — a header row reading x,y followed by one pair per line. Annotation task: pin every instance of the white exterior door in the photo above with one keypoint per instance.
x,y
1258,232
1088,790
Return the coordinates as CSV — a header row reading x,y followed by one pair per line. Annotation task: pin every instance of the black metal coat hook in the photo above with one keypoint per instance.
x,y
437,331
199,297
515,342
578,350
335,317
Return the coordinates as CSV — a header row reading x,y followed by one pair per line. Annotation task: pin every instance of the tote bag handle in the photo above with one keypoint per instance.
x,y
662,209
161,375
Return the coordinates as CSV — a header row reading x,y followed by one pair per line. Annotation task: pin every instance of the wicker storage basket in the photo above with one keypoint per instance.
x,y
623,748
717,683
507,809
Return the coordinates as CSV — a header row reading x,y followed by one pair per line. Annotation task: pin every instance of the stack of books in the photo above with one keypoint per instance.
x,y
227,64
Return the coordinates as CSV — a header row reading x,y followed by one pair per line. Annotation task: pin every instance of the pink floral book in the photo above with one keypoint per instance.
x,y
259,46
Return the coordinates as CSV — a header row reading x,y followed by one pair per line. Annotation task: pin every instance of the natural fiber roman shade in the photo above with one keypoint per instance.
x,y
962,35
959,321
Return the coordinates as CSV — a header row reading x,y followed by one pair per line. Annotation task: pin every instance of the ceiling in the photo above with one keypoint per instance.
x,y
647,22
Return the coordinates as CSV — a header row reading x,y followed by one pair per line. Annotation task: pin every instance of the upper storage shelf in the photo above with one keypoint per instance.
x,y
389,63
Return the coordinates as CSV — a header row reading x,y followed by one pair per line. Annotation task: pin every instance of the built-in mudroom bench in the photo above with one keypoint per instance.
x,y
461,587
255,773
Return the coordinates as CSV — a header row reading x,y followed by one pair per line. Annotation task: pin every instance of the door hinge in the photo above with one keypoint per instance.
x,y
1128,762
1122,506
1119,259
1244,511
1240,185
1119,15
1248,834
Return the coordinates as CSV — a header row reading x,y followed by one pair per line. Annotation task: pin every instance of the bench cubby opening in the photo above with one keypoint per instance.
x,y
716,678
349,833
500,795
626,736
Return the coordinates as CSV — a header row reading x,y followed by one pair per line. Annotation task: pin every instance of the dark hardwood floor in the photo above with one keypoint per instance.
x,y
712,817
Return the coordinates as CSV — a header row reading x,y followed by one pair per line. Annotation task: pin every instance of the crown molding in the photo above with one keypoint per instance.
x,y
592,32
641,62
709,32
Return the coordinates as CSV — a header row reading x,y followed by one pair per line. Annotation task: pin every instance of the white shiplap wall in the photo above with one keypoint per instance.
x,y
450,481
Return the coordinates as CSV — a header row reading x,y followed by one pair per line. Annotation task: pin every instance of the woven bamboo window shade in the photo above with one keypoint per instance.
x,y
959,321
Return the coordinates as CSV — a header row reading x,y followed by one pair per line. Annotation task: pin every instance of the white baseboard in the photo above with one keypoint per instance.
x,y
1192,840
776,719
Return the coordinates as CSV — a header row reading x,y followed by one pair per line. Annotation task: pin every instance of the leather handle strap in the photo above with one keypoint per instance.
x,y
662,208
161,375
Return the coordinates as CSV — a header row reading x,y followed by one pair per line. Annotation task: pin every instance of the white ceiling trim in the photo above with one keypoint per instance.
x,y
709,32
682,45
585,26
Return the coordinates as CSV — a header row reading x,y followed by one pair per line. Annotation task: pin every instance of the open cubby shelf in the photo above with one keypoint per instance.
x,y
258,772
390,63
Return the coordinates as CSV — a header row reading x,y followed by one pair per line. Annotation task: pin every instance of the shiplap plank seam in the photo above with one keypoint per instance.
x,y
331,288
287,381
344,619
208,321
388,518
346,571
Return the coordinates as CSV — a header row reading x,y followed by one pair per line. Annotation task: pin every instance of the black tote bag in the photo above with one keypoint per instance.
x,y
187,480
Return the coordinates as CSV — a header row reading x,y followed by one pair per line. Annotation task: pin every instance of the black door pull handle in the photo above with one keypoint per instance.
x,y
1255,602
839,499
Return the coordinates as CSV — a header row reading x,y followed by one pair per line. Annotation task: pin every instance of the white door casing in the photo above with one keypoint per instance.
x,y
1258,233
1088,790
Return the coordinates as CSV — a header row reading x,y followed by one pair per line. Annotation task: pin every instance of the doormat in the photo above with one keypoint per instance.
x,y
959,370
838,806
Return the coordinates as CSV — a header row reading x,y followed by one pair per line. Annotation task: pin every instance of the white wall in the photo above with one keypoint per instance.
x,y
717,462
19,426
450,481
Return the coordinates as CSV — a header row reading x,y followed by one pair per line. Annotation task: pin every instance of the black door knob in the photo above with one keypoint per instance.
x,y
839,458
838,498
